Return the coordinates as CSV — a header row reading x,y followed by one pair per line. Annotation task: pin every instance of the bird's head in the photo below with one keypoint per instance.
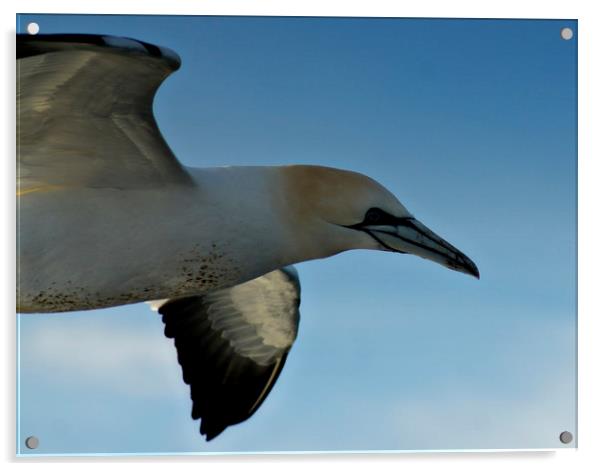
x,y
335,210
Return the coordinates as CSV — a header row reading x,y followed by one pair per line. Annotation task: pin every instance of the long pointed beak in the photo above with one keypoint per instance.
x,y
409,235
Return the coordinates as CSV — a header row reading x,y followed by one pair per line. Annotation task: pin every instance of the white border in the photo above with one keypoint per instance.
x,y
426,8
590,155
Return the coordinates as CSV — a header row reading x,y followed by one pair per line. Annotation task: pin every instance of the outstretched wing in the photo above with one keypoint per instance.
x,y
84,113
232,345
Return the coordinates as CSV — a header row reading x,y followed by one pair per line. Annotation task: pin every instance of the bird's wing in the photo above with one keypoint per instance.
x,y
85,113
232,345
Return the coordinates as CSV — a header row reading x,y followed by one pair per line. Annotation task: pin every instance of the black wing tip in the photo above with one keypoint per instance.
x,y
31,45
223,414
211,429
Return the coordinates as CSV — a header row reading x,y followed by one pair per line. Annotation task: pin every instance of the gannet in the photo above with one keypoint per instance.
x,y
108,216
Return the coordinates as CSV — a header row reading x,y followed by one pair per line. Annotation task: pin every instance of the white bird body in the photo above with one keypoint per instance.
x,y
87,248
232,225
108,216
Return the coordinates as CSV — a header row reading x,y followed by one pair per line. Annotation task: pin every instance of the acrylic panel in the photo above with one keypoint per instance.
x,y
400,342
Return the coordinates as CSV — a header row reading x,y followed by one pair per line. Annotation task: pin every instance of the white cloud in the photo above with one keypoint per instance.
x,y
132,358
463,419
525,400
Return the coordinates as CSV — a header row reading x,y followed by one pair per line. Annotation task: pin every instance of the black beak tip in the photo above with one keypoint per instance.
x,y
465,265
472,269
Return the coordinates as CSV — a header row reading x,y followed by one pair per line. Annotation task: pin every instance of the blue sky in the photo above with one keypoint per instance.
x,y
472,124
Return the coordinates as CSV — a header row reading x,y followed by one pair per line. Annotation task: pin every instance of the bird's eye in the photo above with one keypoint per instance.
x,y
375,216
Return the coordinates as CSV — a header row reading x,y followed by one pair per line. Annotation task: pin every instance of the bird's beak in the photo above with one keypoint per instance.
x,y
409,235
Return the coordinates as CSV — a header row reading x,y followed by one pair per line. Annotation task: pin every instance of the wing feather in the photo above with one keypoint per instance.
x,y
232,345
84,113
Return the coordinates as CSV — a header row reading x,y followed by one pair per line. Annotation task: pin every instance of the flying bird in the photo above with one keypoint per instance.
x,y
108,216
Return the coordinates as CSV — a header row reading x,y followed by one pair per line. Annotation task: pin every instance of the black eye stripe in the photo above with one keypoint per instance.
x,y
378,217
